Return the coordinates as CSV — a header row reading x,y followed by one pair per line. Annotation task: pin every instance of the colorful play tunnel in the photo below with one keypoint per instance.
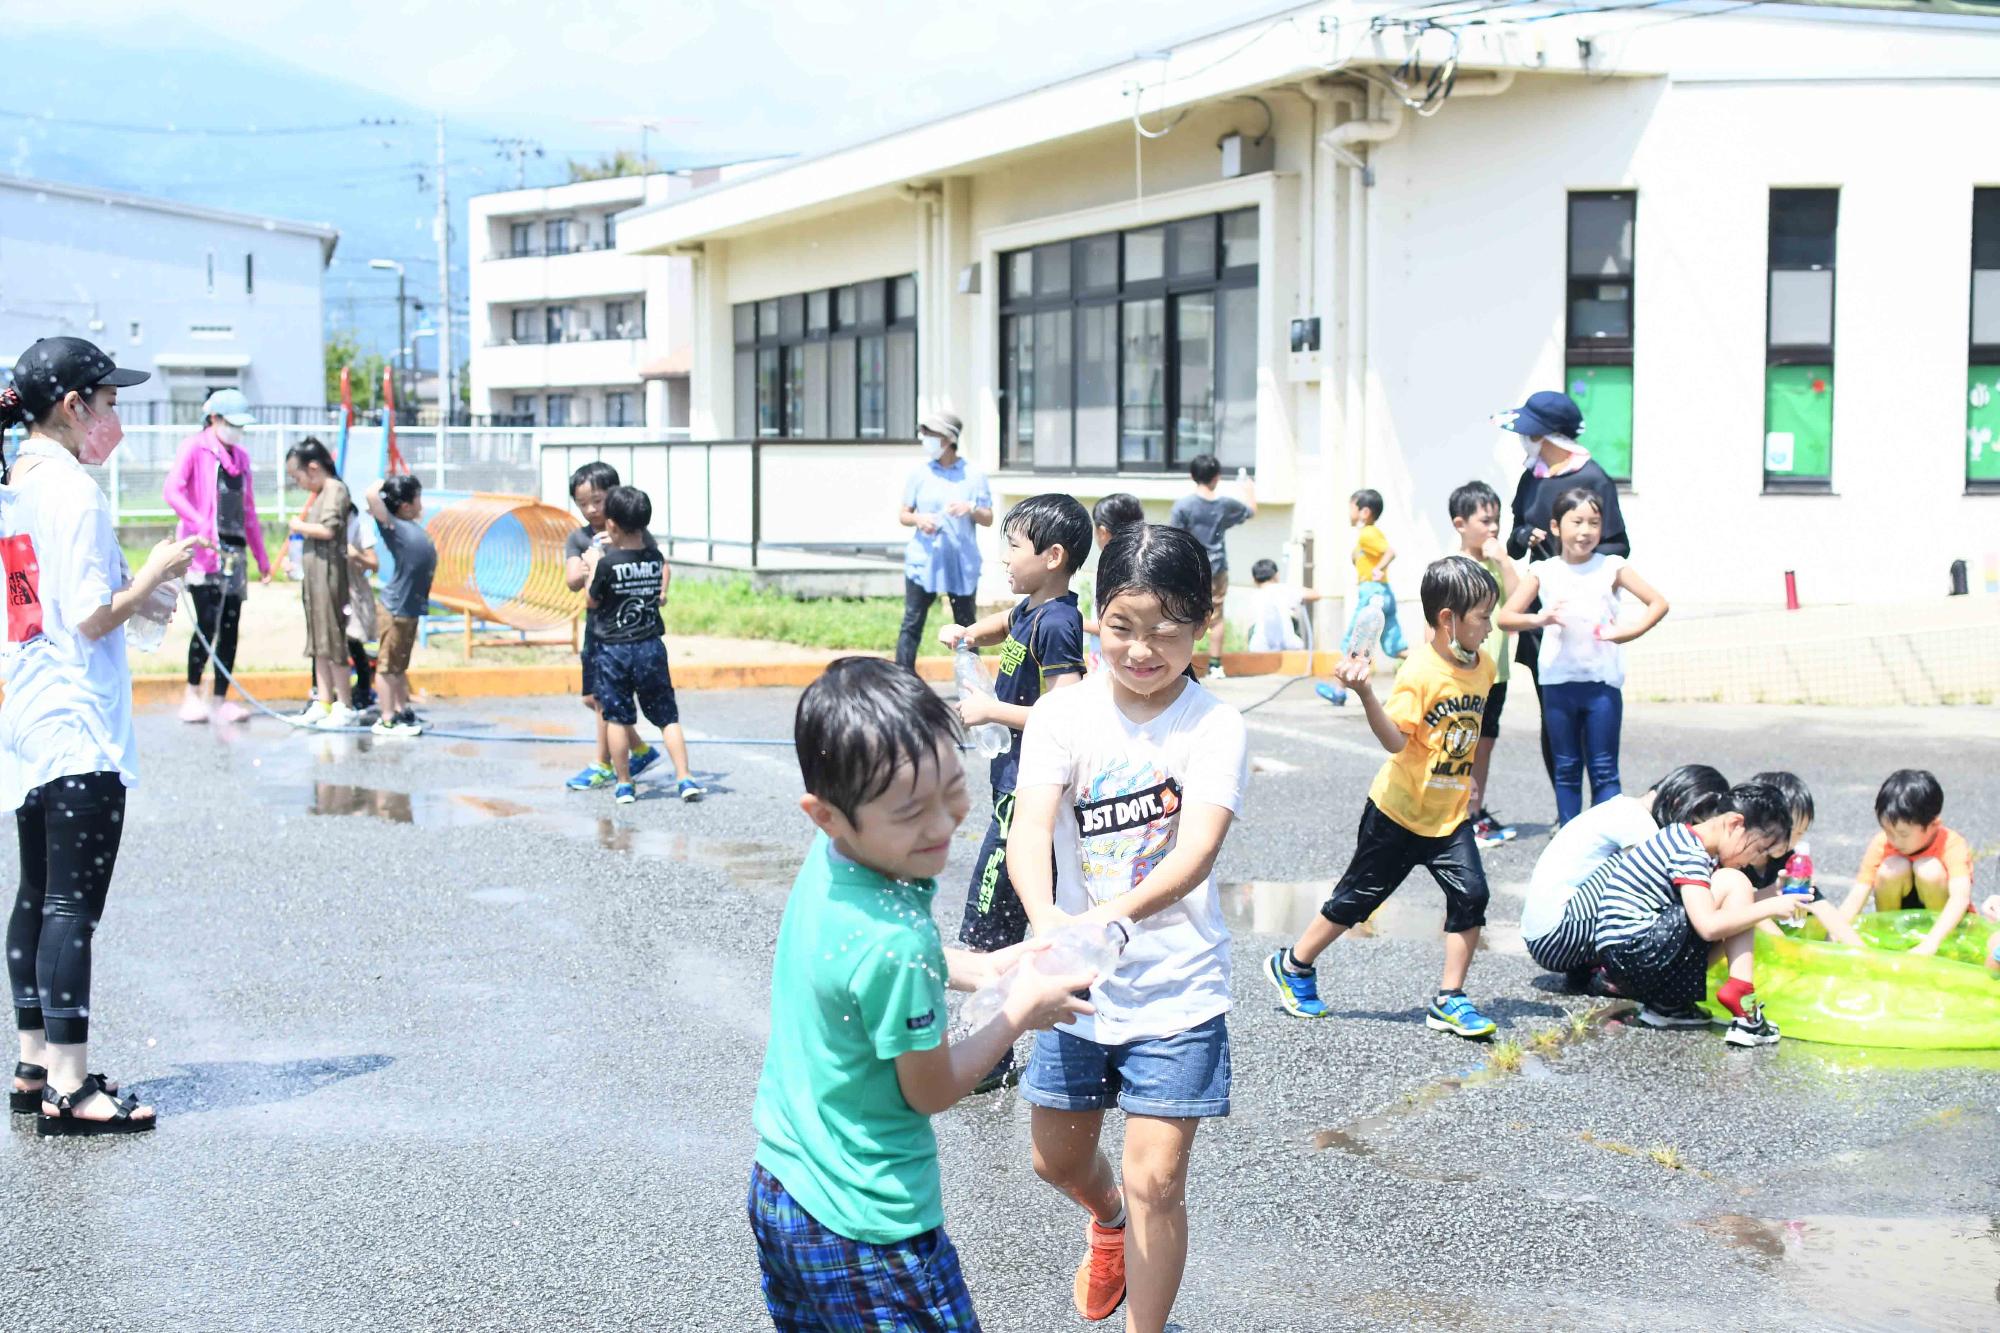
x,y
500,558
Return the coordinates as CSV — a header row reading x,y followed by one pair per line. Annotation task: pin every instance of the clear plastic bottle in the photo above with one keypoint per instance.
x,y
1075,949
1798,873
1367,633
147,628
989,738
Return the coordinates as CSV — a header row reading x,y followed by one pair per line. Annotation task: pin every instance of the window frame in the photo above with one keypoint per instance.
x,y
1015,308
786,325
1581,352
1799,354
1981,357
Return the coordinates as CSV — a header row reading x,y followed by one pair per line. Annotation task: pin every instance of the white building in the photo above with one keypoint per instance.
x,y
203,299
566,329
1330,249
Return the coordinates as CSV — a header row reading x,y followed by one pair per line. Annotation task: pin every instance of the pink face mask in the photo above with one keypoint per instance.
x,y
101,437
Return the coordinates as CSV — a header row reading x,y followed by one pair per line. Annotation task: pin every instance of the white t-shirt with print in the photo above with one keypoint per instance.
x,y
1124,785
1585,597
1575,853
1272,627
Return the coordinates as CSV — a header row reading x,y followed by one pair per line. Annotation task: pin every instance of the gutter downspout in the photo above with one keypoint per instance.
x,y
929,200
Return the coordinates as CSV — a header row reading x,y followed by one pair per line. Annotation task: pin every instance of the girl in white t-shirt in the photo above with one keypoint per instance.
x,y
1128,784
1582,665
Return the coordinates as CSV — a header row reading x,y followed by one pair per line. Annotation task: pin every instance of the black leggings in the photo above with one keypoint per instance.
x,y
218,612
364,670
69,831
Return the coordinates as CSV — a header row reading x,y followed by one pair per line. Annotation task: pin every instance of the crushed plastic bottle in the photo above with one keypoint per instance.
x,y
989,738
1797,876
1075,949
147,628
1366,635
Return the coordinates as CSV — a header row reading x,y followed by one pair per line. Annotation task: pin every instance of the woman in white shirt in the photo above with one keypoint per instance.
x,y
66,747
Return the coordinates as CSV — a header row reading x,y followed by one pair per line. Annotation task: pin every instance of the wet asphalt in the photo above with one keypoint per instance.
x,y
439,1045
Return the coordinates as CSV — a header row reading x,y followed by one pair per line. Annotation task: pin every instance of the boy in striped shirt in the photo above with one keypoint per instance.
x,y
1661,920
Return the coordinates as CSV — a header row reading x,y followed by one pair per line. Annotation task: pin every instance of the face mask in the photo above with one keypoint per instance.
x,y
100,437
227,433
933,447
1465,656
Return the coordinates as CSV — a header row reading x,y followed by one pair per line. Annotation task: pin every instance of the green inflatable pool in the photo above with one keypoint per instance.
x,y
1880,996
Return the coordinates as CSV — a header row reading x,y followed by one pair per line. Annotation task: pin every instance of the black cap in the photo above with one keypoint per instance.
x,y
56,367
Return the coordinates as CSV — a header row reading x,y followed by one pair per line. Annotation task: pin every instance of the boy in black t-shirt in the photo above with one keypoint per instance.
x,y
588,486
628,585
1041,648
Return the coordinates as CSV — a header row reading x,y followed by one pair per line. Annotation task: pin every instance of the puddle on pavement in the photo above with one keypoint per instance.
x,y
1286,907
1879,1272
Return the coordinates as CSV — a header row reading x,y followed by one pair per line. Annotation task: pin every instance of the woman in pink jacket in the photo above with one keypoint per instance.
x,y
212,488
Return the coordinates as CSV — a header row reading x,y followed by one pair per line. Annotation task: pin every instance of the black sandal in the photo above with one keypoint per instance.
x,y
27,1103
58,1121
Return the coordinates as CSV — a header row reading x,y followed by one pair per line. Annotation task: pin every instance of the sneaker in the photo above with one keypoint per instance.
x,y
1753,1029
645,759
1483,831
410,716
1600,984
409,723
194,706
395,726
1333,694
592,777
690,791
311,715
1003,1075
1215,671
1297,991
625,793
1455,1013
1100,1278
1501,829
336,718
231,711
1667,1016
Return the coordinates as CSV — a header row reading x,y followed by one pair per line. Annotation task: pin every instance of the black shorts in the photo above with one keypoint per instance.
x,y
634,676
1384,855
1666,966
994,917
1489,722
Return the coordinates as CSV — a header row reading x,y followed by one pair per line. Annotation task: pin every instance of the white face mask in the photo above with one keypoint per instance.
x,y
227,433
933,447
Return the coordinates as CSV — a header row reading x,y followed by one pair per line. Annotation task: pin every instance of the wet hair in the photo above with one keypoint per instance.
x,y
1116,510
1264,571
1166,562
1457,584
1688,795
399,490
312,450
1469,499
1797,795
863,719
1204,469
1766,813
1369,500
1046,520
1910,796
1576,497
629,507
601,476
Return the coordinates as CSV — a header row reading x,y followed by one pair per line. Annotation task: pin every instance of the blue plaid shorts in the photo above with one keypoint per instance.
x,y
818,1282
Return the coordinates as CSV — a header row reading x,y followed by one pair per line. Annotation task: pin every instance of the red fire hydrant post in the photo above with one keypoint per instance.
x,y
1791,591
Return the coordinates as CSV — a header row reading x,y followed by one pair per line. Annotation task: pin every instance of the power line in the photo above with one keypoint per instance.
x,y
218,131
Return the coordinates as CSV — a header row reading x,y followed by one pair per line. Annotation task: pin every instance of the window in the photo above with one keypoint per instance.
x,y
1982,402
523,330
555,237
1132,351
1599,339
618,410
611,231
135,330
1798,363
839,363
524,407
559,405
211,272
561,319
521,240
620,320
249,275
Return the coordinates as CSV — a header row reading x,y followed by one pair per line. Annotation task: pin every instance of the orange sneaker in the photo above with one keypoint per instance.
x,y
1100,1278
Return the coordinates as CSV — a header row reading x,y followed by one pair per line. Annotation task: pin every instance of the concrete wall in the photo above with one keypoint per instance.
x,y
93,269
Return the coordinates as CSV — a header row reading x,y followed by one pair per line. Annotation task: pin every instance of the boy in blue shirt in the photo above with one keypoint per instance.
x,y
846,1202
1041,649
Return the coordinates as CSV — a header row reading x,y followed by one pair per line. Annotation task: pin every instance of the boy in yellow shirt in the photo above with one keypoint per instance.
x,y
1416,810
1372,557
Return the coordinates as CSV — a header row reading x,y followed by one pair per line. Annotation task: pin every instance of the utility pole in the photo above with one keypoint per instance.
x,y
447,400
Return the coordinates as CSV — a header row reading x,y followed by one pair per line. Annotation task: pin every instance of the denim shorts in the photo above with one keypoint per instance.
x,y
1179,1077
632,677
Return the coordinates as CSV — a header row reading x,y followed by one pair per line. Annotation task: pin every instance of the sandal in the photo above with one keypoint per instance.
x,y
29,1102
58,1121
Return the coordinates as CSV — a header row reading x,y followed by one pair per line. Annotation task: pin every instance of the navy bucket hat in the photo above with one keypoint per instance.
x,y
1546,413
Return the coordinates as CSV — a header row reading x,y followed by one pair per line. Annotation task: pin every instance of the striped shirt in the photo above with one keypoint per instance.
x,y
1572,944
1646,880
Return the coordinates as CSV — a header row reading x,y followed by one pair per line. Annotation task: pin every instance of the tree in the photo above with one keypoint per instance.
x,y
611,166
343,348
343,351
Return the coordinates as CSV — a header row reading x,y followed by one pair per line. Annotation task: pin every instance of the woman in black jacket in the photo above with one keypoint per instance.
x,y
1549,424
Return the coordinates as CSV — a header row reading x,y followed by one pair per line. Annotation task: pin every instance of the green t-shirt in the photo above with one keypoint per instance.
x,y
1495,646
859,978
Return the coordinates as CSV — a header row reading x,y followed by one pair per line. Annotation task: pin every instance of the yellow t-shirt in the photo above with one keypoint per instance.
x,y
1369,546
1439,706
1495,646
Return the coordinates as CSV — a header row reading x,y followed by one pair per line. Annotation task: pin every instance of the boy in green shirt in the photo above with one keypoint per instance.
x,y
845,1199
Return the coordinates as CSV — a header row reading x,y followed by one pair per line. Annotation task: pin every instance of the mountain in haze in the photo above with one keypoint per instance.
x,y
373,178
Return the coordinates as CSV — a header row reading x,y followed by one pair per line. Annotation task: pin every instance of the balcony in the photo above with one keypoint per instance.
x,y
578,273
575,361
540,252
631,332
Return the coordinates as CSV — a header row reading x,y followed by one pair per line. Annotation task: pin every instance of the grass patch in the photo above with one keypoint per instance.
x,y
1666,1155
1506,1057
734,609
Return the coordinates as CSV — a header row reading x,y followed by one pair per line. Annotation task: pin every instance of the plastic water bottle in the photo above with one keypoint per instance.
x,y
148,626
1797,876
989,738
1367,633
295,558
1076,949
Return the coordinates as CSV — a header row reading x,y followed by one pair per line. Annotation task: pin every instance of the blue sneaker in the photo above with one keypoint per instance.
x,y
1333,694
592,777
625,794
1455,1013
690,791
644,759
1297,991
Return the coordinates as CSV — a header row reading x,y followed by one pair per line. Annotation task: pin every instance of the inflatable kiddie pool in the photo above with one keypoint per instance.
x,y
1879,996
